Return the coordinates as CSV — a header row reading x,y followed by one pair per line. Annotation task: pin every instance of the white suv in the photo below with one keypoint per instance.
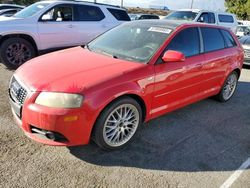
x,y
51,25
225,19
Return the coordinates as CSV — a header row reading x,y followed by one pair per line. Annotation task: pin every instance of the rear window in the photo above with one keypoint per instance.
x,y
230,42
88,13
120,15
212,38
226,18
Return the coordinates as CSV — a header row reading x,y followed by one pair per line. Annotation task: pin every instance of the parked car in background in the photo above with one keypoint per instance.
x,y
129,75
216,18
50,25
242,30
245,42
10,6
146,16
9,12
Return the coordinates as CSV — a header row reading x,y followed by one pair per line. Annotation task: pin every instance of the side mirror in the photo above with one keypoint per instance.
x,y
46,17
201,19
173,56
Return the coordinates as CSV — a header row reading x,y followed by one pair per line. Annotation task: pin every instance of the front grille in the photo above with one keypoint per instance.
x,y
247,53
17,92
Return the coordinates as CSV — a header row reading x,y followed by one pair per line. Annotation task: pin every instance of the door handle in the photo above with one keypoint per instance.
x,y
70,26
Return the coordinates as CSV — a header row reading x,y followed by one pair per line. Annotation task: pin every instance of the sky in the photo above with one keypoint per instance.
x,y
171,4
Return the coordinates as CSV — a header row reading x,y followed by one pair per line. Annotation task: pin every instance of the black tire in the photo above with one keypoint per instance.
x,y
99,128
16,51
221,97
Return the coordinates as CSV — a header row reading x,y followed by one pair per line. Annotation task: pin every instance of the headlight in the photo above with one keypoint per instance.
x,y
59,100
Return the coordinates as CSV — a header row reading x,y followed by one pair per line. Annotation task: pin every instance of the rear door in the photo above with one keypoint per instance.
x,y
217,57
89,23
179,83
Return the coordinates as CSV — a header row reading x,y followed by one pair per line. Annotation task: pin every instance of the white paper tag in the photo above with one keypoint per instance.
x,y
160,30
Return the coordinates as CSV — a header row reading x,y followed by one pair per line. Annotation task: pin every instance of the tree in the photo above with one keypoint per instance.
x,y
239,7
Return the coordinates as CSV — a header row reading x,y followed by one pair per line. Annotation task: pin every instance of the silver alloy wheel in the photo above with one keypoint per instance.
x,y
18,53
120,125
230,86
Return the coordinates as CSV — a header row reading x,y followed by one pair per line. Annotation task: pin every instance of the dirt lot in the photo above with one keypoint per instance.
x,y
197,146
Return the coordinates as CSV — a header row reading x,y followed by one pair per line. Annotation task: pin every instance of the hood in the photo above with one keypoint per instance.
x,y
72,70
9,20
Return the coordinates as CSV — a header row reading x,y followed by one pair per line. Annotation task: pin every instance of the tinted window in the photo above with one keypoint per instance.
x,y
204,18
88,13
230,42
120,15
226,18
212,39
187,42
211,18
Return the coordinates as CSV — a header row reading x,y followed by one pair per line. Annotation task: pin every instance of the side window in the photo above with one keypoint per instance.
x,y
120,15
204,18
59,14
230,42
226,18
88,13
211,17
187,42
212,39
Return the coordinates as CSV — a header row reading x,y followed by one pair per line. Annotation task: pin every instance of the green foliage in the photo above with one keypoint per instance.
x,y
239,7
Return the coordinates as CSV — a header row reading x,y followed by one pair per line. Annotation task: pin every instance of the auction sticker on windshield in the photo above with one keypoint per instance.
x,y
160,30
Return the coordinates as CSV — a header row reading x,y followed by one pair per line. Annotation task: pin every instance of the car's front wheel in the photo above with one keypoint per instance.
x,y
117,124
228,88
16,51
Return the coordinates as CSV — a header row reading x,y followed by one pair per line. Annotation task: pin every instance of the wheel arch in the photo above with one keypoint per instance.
x,y
23,36
238,71
136,97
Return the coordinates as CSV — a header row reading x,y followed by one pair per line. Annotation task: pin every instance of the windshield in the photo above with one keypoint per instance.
x,y
134,41
182,15
31,10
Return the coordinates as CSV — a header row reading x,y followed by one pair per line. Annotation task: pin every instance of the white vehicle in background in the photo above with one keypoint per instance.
x,y
242,30
50,25
225,19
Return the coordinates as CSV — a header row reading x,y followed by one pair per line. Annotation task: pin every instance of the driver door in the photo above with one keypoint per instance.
x,y
179,83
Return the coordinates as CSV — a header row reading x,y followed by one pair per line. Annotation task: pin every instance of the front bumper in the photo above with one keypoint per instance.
x,y
74,124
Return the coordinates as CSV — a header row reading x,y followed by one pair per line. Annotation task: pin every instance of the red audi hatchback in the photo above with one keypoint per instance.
x,y
127,76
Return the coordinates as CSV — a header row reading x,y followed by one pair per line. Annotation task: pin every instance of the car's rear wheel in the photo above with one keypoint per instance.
x,y
228,88
117,124
16,51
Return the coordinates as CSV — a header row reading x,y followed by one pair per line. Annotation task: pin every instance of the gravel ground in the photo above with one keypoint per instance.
x,y
197,146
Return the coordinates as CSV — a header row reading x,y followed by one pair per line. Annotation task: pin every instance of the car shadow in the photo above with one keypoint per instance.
x,y
205,136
